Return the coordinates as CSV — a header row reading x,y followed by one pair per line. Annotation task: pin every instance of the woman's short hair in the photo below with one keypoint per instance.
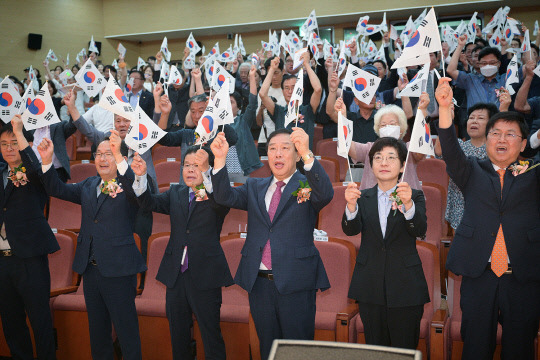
x,y
391,109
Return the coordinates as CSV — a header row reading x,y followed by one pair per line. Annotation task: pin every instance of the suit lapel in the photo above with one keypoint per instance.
x,y
262,188
190,205
100,199
493,177
372,213
286,194
391,221
508,181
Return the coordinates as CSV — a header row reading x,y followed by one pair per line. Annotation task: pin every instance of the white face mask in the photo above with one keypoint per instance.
x,y
489,70
390,131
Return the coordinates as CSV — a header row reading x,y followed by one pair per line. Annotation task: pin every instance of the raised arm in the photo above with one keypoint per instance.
x,y
333,84
93,134
315,83
452,66
263,93
521,104
196,85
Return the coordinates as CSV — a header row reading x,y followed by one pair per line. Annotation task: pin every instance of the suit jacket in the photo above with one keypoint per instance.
x,y
198,227
146,102
518,211
96,136
389,267
27,230
107,224
296,263
59,133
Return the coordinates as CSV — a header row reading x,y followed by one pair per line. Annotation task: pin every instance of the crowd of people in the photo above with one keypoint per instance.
x,y
482,130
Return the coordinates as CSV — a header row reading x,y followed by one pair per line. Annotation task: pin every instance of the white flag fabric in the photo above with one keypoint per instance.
x,y
296,99
417,84
220,76
420,17
345,134
297,59
33,78
10,100
310,24
295,40
371,49
92,47
236,48
90,79
362,25
80,56
380,54
227,56
65,75
241,45
512,76
526,46
471,27
393,33
116,101
209,69
363,84
342,62
28,97
535,31
208,125
115,64
165,49
140,63
192,45
165,71
214,53
421,136
121,49
143,133
67,59
404,62
41,111
285,43
508,32
189,61
496,20
255,60
312,45
495,39
274,42
461,29
222,102
407,31
329,51
51,55
175,78
537,71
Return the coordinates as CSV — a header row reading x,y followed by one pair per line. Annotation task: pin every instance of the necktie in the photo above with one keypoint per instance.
x,y
184,266
499,256
429,90
276,197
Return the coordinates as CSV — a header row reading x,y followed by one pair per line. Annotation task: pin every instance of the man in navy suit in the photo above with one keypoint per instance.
x,y
26,240
497,245
280,268
106,256
194,267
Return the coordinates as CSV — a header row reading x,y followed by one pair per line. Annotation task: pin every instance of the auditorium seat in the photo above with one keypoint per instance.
x,y
328,147
317,135
84,147
433,319
168,170
160,152
235,222
330,216
64,215
153,323
331,166
81,170
263,171
335,311
71,147
234,308
432,170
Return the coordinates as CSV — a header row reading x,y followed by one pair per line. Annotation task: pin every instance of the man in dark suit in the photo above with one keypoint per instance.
x,y
106,255
138,94
497,245
194,267
26,240
280,268
388,263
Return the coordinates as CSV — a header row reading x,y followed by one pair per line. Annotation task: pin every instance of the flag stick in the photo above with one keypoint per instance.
x,y
297,111
442,60
405,166
350,172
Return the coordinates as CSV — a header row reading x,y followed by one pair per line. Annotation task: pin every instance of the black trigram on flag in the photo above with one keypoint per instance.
x,y
129,128
217,102
6,112
99,81
354,72
424,23
365,94
89,87
128,109
427,41
223,114
41,92
154,135
18,104
371,82
299,91
414,87
111,100
5,86
32,121
49,116
210,109
88,67
142,145
420,141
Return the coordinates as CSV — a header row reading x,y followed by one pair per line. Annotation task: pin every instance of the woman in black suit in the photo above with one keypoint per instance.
x,y
388,281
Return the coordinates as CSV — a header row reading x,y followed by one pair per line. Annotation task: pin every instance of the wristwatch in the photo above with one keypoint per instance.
x,y
308,156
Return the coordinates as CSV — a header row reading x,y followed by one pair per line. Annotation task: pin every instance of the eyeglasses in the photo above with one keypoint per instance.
x,y
492,63
5,145
191,166
500,135
107,155
379,158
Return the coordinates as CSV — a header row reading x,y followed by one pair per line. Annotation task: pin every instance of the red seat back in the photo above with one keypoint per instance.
x,y
160,152
328,147
153,289
81,170
435,214
167,171
61,261
262,172
64,215
432,170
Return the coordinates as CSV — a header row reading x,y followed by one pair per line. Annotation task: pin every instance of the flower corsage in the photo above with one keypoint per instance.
x,y
200,194
522,167
111,188
303,193
397,204
18,176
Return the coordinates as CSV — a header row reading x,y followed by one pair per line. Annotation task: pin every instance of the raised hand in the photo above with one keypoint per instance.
x,y
165,105
138,165
402,82
115,141
201,159
274,64
219,148
158,89
301,141
444,93
46,150
334,82
339,106
462,40
404,192
504,100
17,124
196,73
423,101
352,194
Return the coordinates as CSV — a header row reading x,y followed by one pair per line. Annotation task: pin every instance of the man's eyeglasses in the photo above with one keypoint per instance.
x,y
5,145
500,135
107,155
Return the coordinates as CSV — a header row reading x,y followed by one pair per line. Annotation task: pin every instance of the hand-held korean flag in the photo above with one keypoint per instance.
x,y
295,41
526,42
41,111
512,75
393,33
220,76
407,31
296,99
274,42
508,32
495,39
236,49
362,25
208,125
175,77
214,53
255,60
471,27
417,84
114,100
165,49
92,47
284,42
121,49
227,56
222,103
380,54
363,84
421,136
192,45
28,97
310,24
420,17
143,132
342,61
80,55
165,71
189,62
51,55
298,58
10,100
312,45
65,76
535,31
115,64
90,79
67,59
345,134
140,63
496,20
241,45
371,49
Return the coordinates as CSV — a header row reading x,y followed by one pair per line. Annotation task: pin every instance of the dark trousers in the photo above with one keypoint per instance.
x,y
182,301
279,316
111,299
25,290
396,327
488,300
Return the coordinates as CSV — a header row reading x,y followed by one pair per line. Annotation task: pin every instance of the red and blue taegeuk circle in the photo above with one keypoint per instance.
x,y
89,77
143,133
221,79
37,107
415,38
360,84
6,99
120,95
208,123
